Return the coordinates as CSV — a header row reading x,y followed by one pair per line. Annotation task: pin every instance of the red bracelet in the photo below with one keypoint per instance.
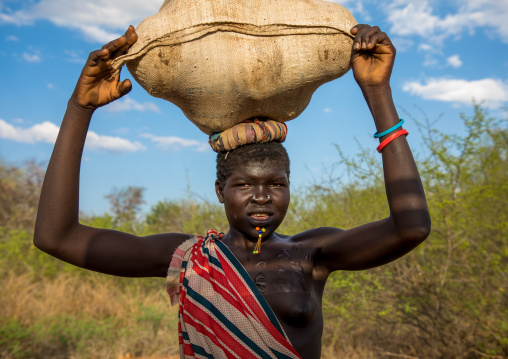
x,y
391,138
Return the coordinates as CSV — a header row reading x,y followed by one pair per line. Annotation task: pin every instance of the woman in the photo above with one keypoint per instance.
x,y
287,277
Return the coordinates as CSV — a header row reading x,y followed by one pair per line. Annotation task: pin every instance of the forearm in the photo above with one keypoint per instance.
x,y
59,203
404,190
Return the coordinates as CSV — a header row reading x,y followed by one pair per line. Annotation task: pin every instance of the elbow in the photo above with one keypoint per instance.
x,y
54,242
47,240
417,231
43,243
418,234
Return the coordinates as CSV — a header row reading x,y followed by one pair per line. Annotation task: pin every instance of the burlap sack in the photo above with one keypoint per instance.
x,y
225,61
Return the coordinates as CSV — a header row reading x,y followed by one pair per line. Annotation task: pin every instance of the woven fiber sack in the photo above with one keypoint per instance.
x,y
225,61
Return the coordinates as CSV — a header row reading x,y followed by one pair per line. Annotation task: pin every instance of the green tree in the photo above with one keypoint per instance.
x,y
125,205
19,194
446,299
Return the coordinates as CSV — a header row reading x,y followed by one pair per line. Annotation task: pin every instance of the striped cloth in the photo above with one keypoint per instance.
x,y
222,313
247,132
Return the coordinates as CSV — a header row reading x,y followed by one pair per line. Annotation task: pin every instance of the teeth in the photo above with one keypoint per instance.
x,y
263,215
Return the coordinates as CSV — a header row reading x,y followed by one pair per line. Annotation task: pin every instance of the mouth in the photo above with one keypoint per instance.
x,y
260,216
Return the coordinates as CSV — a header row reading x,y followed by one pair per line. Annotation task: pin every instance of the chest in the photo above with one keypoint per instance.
x,y
283,275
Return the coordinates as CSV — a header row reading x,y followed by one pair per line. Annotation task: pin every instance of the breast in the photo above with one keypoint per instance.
x,y
295,309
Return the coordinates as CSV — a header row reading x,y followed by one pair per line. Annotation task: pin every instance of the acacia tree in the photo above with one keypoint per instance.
x,y
125,205
19,194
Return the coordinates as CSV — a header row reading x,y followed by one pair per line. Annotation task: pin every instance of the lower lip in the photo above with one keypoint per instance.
x,y
260,220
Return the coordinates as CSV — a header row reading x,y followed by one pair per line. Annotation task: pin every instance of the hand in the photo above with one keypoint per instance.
x,y
372,57
99,84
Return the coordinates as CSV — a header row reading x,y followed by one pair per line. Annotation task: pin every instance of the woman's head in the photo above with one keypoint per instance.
x,y
253,184
272,152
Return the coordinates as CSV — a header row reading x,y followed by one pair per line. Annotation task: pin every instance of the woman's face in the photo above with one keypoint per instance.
x,y
255,195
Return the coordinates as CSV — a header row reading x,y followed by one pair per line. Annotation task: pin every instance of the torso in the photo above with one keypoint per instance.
x,y
283,272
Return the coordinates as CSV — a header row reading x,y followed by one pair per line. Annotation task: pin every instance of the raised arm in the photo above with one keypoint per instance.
x,y
57,229
383,241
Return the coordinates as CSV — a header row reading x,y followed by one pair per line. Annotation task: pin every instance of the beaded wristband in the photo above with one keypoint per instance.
x,y
378,135
391,138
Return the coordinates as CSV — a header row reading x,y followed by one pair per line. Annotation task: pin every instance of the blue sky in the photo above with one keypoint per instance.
x,y
448,53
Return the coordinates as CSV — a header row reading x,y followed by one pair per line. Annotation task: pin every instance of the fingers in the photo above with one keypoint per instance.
x,y
115,45
112,50
120,45
121,88
124,87
94,58
131,37
367,37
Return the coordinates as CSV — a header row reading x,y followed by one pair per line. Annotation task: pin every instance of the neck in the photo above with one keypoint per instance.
x,y
236,239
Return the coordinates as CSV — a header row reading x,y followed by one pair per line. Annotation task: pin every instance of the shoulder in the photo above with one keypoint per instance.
x,y
314,238
315,235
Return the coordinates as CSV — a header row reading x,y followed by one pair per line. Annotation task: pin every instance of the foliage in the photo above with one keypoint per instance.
x,y
19,194
125,204
446,299
186,216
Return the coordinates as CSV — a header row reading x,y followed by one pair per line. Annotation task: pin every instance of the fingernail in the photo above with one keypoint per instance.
x,y
357,46
364,45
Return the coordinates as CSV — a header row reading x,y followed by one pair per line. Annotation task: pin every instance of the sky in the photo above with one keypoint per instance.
x,y
449,53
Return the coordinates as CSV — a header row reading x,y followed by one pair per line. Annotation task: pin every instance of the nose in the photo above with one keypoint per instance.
x,y
260,196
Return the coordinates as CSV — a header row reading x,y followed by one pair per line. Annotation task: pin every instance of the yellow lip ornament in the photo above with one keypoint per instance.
x,y
260,231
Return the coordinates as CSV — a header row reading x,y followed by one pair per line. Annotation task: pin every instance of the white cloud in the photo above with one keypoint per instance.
x,y
327,110
172,143
75,56
489,13
16,18
11,38
31,57
428,48
47,132
402,43
417,17
42,132
430,61
98,20
411,17
50,85
494,92
356,7
128,104
110,143
454,61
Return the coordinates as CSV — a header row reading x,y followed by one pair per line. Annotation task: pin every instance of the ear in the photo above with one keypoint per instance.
x,y
218,191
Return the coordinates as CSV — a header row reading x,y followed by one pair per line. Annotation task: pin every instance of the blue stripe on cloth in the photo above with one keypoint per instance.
x,y
280,355
255,290
211,258
185,336
201,351
222,318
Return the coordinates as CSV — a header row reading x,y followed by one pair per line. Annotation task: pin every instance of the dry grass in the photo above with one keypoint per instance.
x,y
86,317
42,303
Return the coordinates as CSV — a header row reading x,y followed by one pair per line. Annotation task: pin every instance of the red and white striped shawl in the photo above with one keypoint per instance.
x,y
222,313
